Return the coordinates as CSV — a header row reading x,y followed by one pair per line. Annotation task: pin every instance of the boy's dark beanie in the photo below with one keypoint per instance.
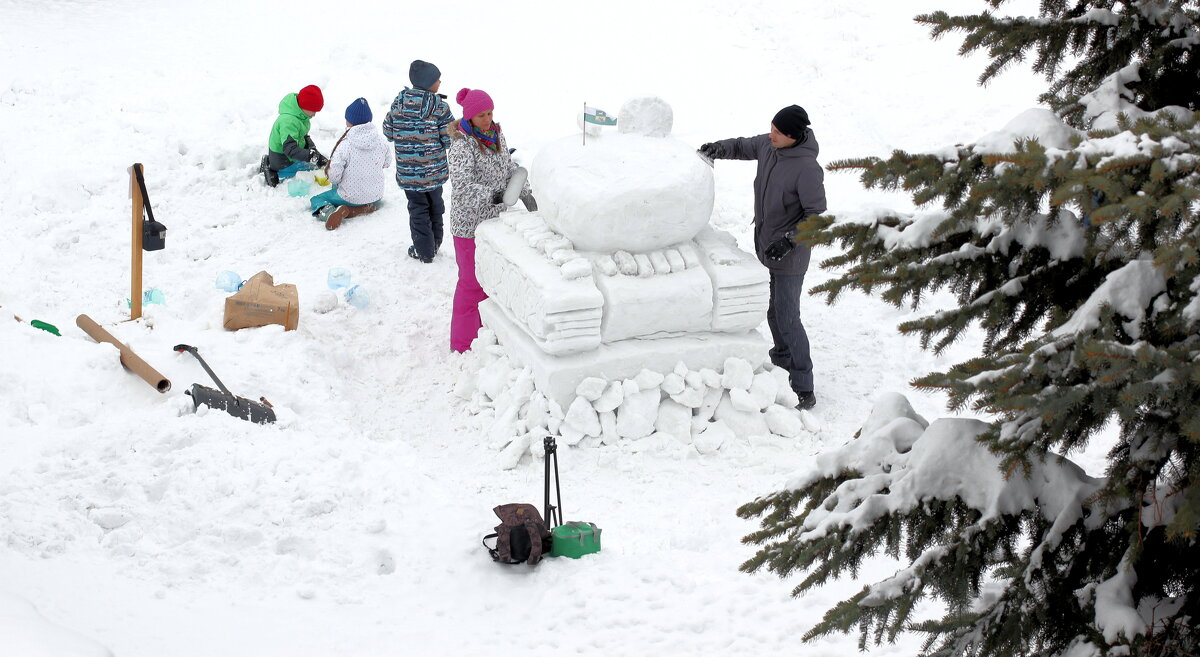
x,y
423,75
791,121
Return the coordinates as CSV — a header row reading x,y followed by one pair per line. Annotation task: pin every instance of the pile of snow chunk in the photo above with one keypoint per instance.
x,y
701,409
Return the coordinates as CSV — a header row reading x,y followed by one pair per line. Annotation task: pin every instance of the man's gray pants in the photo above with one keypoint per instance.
x,y
791,341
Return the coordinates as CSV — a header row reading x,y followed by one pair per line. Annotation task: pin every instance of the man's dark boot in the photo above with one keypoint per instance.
x,y
807,400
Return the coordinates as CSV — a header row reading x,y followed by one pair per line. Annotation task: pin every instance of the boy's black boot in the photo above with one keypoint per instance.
x,y
269,176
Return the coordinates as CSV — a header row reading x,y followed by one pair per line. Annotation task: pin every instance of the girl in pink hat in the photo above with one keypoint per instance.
x,y
480,166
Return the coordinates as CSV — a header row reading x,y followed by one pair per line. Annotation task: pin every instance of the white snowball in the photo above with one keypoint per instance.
x,y
494,378
624,192
537,413
708,407
674,419
522,388
511,456
810,422
673,384
710,377
554,422
608,428
486,336
743,423
694,379
583,417
503,429
591,388
463,388
571,435
649,116
636,416
631,387
647,379
325,302
743,401
764,389
739,374
690,397
714,435
612,397
784,422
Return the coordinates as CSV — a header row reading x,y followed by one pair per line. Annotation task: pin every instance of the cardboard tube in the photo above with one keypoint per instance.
x,y
130,360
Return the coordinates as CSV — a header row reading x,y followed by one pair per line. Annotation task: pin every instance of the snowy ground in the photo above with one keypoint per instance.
x,y
352,526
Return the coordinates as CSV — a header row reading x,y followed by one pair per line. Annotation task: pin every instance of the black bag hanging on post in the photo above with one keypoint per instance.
x,y
154,234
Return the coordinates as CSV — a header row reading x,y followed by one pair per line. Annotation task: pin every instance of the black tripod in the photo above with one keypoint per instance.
x,y
552,513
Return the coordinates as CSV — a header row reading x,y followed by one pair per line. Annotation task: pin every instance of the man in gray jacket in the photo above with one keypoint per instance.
x,y
788,189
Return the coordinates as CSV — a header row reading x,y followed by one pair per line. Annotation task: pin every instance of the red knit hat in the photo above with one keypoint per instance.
x,y
310,99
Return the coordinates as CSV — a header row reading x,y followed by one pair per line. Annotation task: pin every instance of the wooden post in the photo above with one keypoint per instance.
x,y
135,291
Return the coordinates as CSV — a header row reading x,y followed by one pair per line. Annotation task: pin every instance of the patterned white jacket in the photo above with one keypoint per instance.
x,y
476,174
357,163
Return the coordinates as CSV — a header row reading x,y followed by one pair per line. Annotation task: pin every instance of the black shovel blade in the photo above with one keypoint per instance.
x,y
239,407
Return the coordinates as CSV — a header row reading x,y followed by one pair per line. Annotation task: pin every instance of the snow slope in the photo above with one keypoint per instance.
x,y
352,525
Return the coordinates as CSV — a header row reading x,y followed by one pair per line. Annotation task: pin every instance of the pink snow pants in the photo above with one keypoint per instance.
x,y
465,322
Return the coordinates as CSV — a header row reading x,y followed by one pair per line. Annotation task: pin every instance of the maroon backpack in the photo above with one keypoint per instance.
x,y
521,536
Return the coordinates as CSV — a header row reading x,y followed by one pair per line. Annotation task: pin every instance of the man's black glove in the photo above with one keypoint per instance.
x,y
712,151
779,249
318,160
529,201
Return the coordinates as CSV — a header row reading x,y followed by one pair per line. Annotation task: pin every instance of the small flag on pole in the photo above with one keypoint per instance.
x,y
597,116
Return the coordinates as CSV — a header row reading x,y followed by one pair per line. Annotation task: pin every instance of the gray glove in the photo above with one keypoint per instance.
x,y
529,201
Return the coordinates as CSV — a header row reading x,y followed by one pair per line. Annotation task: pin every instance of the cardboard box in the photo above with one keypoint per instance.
x,y
261,302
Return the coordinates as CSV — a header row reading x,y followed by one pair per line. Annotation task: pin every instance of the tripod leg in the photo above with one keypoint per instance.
x,y
557,489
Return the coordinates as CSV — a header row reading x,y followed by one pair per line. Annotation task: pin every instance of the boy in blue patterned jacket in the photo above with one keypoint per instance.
x,y
418,124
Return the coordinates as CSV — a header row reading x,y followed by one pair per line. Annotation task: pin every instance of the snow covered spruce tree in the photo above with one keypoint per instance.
x,y
1070,238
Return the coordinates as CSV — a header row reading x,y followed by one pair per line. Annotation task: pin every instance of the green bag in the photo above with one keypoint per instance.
x,y
574,539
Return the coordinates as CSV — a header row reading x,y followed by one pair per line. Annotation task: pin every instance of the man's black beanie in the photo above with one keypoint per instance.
x,y
791,121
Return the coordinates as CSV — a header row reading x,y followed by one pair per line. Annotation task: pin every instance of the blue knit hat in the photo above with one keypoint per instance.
x,y
423,75
358,112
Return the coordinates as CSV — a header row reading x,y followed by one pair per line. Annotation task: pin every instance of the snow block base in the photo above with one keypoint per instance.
x,y
558,376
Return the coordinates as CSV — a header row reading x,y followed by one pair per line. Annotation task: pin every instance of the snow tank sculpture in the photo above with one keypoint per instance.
x,y
616,312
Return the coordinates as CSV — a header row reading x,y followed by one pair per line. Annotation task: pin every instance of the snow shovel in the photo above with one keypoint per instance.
x,y
223,400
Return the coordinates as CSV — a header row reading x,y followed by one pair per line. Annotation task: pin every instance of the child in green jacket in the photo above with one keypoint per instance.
x,y
289,148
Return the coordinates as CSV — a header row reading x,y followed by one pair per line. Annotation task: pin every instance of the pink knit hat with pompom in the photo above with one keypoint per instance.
x,y
473,102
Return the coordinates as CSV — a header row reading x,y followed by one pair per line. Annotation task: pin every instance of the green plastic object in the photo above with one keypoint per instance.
x,y
574,539
47,327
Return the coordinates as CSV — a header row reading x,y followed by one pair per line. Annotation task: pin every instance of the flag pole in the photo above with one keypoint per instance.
x,y
585,123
